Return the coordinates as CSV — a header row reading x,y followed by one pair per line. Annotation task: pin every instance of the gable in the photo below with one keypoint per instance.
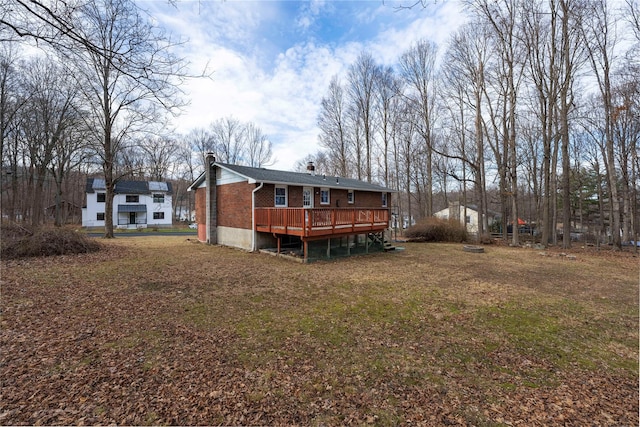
x,y
224,176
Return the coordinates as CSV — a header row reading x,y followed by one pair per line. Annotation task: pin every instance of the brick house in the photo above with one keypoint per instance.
x,y
256,208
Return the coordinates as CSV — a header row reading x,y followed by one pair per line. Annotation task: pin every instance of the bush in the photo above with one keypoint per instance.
x,y
437,230
21,242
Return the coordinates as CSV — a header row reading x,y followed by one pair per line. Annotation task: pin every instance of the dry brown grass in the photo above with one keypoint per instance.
x,y
161,330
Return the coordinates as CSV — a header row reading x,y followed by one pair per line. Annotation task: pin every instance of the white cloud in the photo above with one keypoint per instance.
x,y
282,94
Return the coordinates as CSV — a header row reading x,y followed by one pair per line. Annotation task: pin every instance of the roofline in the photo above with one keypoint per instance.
x,y
250,180
194,185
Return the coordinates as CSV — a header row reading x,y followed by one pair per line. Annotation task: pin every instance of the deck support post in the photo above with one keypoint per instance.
x,y
348,246
305,250
329,248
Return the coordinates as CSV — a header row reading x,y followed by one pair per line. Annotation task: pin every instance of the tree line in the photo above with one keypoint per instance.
x,y
95,96
530,103
530,109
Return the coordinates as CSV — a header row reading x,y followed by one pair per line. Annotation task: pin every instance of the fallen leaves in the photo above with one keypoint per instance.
x,y
184,334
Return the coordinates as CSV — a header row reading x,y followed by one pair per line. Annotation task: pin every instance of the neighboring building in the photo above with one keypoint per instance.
x,y
136,204
311,215
456,210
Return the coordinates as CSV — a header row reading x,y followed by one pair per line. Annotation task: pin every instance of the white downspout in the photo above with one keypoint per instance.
x,y
253,216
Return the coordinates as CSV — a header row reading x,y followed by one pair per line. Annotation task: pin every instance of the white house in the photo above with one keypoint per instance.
x,y
136,204
457,211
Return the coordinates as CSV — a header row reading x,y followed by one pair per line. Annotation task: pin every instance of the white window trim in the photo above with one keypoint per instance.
x,y
286,197
353,197
310,190
328,202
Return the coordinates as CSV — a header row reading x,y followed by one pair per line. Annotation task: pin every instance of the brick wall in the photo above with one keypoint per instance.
x,y
201,205
337,197
365,199
265,196
234,205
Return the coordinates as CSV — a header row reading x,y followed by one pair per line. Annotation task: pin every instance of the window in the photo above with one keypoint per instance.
x,y
384,200
100,216
351,198
158,198
324,196
281,196
468,219
132,199
158,215
307,197
102,197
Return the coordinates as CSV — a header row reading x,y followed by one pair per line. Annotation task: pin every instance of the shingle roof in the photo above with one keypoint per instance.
x,y
94,184
129,187
272,176
132,208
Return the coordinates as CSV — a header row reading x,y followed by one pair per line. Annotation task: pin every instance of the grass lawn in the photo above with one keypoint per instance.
x,y
162,330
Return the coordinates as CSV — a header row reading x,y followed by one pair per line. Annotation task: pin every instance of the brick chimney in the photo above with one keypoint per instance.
x,y
212,199
311,169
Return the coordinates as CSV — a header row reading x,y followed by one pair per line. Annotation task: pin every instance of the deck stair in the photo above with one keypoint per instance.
x,y
379,239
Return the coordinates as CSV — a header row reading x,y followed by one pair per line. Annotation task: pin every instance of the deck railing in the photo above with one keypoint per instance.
x,y
306,222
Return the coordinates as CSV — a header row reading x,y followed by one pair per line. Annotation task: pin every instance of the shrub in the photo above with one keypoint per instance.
x,y
22,242
437,230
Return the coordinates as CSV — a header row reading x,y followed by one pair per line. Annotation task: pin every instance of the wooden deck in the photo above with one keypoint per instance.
x,y
321,222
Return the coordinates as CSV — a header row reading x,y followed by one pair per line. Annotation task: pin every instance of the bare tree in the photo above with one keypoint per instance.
x,y
633,6
69,152
228,135
387,97
52,22
159,155
553,42
130,163
321,162
127,81
362,77
502,17
464,73
626,128
332,122
200,140
600,40
417,68
48,119
10,98
11,101
258,147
